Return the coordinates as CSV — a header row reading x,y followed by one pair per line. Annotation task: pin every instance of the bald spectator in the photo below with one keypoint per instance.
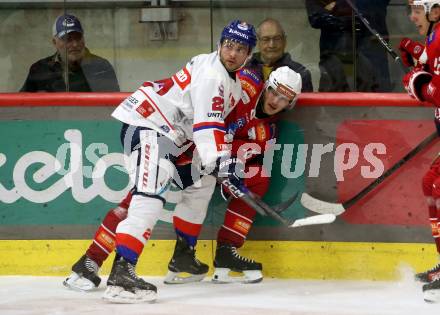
x,y
72,68
271,45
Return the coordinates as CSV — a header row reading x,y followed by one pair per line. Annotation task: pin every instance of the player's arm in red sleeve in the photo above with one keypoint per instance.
x,y
430,92
253,140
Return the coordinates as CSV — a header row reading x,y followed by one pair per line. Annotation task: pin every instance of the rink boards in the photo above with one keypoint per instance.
x,y
47,218
281,259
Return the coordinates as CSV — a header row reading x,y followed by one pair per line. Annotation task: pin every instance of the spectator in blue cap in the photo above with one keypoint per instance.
x,y
72,68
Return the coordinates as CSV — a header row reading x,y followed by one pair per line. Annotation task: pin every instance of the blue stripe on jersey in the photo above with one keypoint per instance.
x,y
209,127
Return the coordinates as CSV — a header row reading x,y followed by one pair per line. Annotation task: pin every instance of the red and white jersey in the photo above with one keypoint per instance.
x,y
191,105
431,59
250,136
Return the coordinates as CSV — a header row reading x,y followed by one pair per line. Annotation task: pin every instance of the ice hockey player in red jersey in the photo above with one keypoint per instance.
x,y
254,130
423,83
251,129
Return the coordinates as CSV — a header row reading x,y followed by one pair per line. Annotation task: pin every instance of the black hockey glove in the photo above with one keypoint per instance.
x,y
233,169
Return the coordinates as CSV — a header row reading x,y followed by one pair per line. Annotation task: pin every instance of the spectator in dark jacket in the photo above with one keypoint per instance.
x,y
271,45
341,70
72,68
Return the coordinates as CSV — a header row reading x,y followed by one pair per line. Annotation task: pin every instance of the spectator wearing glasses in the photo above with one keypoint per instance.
x,y
271,53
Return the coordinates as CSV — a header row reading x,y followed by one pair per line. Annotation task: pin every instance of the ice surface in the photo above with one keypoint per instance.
x,y
46,295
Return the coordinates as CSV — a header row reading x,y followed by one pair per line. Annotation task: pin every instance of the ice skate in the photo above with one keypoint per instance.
x,y
428,275
184,267
84,276
124,286
431,291
227,259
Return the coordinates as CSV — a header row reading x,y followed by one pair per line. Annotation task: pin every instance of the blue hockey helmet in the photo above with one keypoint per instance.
x,y
241,32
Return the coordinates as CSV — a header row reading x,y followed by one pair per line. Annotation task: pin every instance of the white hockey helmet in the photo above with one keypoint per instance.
x,y
287,83
426,4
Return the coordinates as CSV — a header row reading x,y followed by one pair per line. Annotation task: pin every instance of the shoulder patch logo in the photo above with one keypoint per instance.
x,y
182,78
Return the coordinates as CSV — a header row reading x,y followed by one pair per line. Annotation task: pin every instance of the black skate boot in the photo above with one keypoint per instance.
x,y
431,291
428,275
124,286
84,276
227,259
184,261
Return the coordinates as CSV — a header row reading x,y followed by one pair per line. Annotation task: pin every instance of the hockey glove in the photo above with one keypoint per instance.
x,y
414,80
233,169
410,50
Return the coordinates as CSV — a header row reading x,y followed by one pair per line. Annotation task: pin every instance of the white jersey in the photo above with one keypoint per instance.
x,y
191,105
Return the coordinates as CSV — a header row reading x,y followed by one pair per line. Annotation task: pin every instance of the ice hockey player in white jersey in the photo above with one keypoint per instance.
x,y
160,121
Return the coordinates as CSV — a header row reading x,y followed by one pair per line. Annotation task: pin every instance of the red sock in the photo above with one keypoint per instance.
x,y
435,226
239,216
235,227
104,240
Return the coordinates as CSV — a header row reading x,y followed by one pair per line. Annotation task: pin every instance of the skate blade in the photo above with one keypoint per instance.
x,y
224,275
115,294
432,296
182,278
77,283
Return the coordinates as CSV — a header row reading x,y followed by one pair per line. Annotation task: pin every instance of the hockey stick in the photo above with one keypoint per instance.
x,y
262,208
320,206
279,207
324,207
384,43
